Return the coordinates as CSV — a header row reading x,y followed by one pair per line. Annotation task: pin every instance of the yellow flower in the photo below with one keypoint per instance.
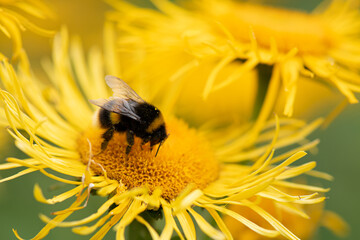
x,y
195,167
232,39
13,20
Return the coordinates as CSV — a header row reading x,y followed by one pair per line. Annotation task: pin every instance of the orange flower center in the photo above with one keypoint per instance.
x,y
185,157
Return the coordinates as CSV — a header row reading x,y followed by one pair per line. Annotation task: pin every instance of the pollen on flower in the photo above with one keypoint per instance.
x,y
185,157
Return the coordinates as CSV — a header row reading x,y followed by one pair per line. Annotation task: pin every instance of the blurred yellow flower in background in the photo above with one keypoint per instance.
x,y
195,167
234,38
13,20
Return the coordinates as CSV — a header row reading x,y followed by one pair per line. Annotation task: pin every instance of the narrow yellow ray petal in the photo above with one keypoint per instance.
x,y
41,169
14,32
112,63
97,73
171,220
256,228
90,218
134,210
344,89
273,221
6,33
214,73
105,191
153,233
296,171
186,224
304,147
265,164
19,174
79,115
266,107
53,223
27,24
119,210
300,186
78,59
322,175
86,230
219,221
106,227
301,199
35,8
273,172
290,74
290,101
235,193
244,68
265,159
170,224
292,209
172,95
205,226
17,235
187,201
168,229
11,164
59,198
281,196
183,70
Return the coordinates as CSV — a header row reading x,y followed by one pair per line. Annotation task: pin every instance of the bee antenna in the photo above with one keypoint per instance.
x,y
158,148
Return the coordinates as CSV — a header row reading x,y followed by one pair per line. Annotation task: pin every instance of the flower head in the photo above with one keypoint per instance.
x,y
195,166
321,46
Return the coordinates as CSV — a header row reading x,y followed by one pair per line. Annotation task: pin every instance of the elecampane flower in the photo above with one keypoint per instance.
x,y
13,20
322,46
194,167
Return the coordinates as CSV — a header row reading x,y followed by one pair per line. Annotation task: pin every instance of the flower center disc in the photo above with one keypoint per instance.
x,y
185,157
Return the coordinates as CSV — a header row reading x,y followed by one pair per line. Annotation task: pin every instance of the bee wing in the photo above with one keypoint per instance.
x,y
118,105
121,89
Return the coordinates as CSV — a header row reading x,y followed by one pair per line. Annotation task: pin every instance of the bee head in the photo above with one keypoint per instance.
x,y
162,136
159,135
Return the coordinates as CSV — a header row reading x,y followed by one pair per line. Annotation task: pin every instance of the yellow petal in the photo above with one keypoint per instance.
x,y
153,233
205,226
59,198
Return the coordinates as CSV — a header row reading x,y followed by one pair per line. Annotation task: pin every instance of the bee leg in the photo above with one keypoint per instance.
x,y
145,141
107,137
130,140
151,146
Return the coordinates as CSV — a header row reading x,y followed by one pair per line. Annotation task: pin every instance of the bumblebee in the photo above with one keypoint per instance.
x,y
127,112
